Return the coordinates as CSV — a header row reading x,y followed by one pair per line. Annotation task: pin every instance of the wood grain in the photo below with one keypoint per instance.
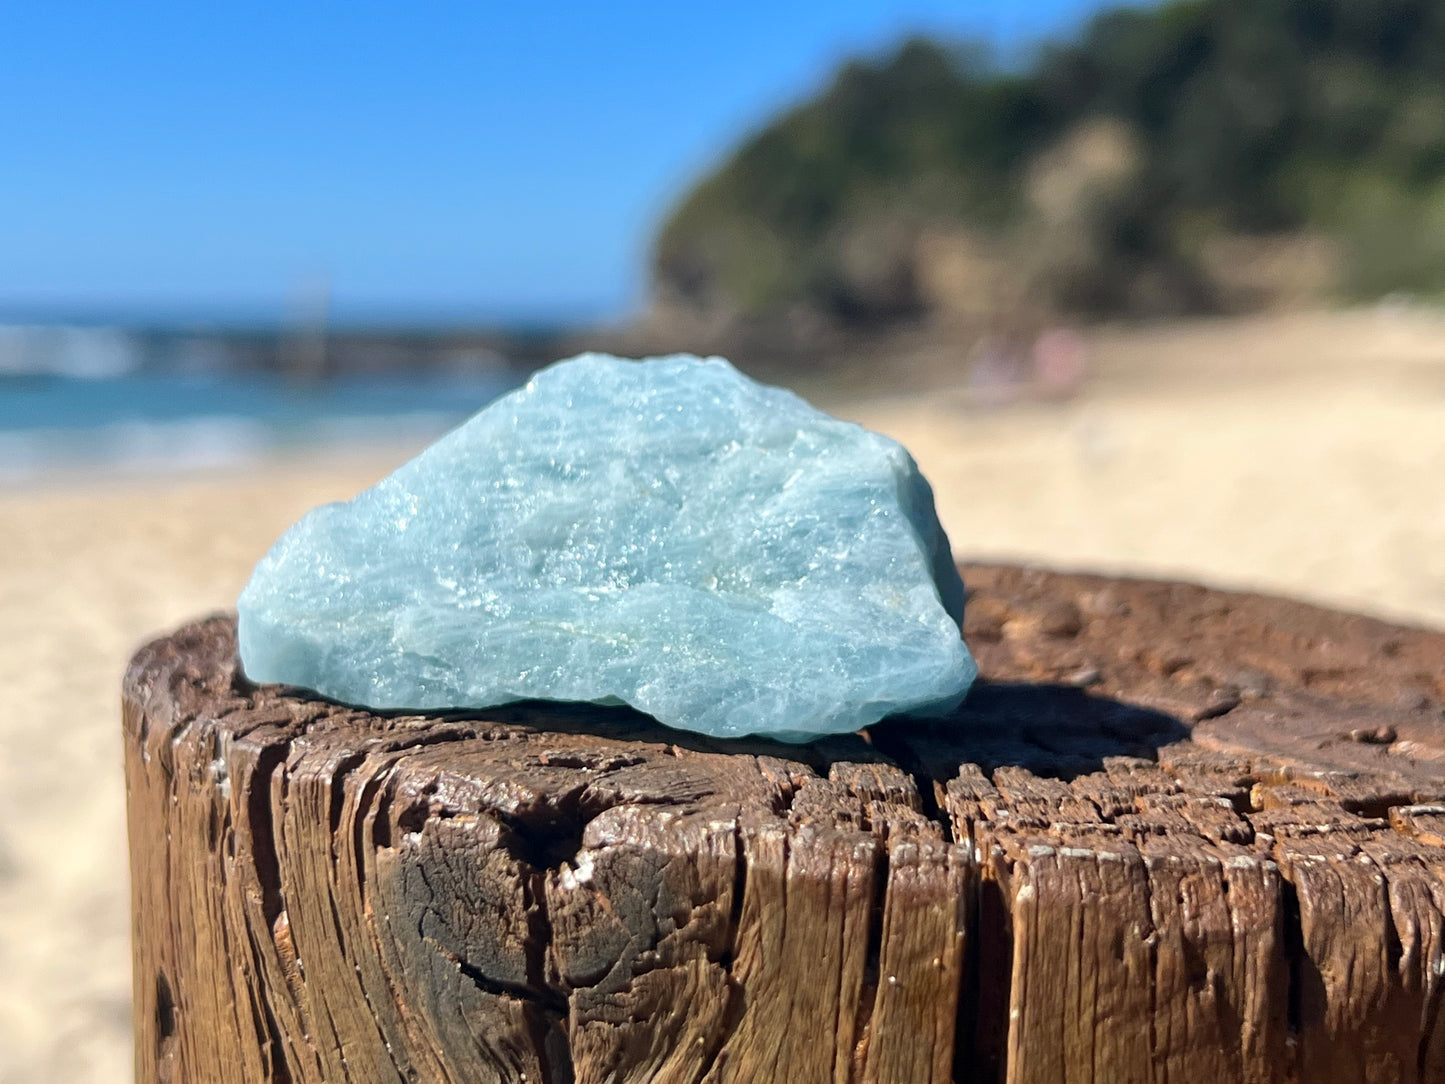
x,y
1175,835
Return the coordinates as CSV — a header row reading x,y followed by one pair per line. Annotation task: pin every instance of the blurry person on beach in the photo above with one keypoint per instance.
x,y
1060,362
1021,358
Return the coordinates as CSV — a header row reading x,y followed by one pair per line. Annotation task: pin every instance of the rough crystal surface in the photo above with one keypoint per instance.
x,y
667,534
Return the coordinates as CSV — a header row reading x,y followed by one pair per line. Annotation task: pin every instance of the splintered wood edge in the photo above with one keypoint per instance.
x,y
326,894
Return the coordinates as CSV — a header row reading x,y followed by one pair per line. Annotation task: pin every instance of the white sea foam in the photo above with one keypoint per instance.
x,y
82,352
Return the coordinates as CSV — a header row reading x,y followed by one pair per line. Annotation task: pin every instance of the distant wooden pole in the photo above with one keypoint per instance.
x,y
1179,835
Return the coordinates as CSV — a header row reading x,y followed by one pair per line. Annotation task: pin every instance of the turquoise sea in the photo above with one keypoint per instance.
x,y
154,422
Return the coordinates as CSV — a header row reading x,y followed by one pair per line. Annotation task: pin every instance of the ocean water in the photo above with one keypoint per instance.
x,y
151,423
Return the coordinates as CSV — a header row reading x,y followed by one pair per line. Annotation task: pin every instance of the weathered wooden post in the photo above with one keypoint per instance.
x,y
1178,835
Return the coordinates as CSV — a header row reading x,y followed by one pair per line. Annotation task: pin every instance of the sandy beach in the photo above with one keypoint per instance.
x,y
1301,455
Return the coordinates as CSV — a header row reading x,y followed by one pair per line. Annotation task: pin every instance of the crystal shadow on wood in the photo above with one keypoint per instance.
x,y
1054,731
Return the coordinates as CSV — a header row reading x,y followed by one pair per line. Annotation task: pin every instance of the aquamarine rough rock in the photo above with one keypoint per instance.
x,y
666,533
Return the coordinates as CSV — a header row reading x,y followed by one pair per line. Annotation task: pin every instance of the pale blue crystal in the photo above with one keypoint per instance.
x,y
666,534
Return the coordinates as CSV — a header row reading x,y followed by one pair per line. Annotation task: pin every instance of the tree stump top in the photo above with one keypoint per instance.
x,y
1173,832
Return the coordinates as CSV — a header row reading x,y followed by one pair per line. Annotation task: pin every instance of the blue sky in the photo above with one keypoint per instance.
x,y
431,161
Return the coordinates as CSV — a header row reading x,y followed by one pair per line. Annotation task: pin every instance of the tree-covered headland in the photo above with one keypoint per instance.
x,y
1202,155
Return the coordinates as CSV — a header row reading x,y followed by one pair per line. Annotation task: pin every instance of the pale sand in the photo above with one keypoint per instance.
x,y
1304,455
